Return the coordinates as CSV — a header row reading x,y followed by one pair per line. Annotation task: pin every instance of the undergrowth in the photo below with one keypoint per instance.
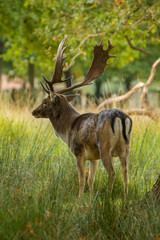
x,y
39,185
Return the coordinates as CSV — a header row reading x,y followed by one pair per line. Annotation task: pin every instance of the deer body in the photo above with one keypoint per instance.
x,y
89,136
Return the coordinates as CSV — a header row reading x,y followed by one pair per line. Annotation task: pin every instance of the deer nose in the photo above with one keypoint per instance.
x,y
33,112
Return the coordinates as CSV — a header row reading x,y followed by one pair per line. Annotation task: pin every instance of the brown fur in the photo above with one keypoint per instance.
x,y
90,137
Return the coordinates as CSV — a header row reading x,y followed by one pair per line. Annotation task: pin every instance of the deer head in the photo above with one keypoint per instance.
x,y
53,105
56,102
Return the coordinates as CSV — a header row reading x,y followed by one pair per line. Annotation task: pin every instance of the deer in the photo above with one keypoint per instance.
x,y
89,136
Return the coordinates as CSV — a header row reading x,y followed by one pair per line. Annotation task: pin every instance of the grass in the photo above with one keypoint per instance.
x,y
39,185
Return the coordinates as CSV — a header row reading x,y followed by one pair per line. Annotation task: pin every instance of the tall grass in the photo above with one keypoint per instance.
x,y
39,185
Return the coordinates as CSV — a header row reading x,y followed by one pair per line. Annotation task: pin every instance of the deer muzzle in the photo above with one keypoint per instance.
x,y
36,113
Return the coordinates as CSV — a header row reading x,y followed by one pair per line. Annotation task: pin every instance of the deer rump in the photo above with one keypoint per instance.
x,y
108,131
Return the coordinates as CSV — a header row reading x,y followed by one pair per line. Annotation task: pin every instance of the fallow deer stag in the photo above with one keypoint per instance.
x,y
89,136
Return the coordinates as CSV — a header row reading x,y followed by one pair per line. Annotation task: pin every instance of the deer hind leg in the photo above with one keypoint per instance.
x,y
107,161
105,142
92,171
81,174
124,157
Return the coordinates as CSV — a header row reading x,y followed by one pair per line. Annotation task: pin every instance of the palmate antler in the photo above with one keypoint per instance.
x,y
96,70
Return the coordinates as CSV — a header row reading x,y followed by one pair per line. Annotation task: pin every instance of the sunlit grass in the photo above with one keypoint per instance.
x,y
39,185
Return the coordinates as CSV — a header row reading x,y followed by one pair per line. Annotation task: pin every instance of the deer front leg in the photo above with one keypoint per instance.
x,y
81,173
92,171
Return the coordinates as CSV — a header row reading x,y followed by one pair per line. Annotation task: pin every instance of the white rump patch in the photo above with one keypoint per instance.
x,y
117,126
128,125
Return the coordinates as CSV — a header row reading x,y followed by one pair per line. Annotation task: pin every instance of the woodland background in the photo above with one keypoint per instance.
x,y
30,31
38,173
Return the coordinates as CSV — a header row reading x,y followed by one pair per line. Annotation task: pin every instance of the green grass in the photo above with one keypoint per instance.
x,y
39,185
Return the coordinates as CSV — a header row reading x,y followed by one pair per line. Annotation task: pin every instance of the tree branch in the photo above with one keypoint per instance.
x,y
136,48
143,112
135,10
145,86
152,73
68,66
90,36
144,102
78,48
122,97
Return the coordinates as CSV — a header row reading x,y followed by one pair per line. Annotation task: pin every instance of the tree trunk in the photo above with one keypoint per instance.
x,y
128,83
98,88
152,196
67,74
1,62
1,67
31,74
154,193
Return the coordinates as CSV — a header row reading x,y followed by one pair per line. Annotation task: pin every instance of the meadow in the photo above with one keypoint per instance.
x,y
39,185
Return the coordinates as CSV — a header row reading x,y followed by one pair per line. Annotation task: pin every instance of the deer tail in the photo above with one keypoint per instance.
x,y
123,126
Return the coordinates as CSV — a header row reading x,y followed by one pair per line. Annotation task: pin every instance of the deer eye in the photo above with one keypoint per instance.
x,y
44,104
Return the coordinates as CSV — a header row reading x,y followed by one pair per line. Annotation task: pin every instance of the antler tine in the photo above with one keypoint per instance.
x,y
58,70
110,46
97,67
46,81
45,89
57,74
45,78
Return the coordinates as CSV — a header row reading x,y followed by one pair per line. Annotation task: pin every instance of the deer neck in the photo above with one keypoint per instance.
x,y
63,121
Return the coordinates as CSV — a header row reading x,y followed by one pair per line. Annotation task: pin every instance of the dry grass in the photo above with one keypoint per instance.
x,y
39,185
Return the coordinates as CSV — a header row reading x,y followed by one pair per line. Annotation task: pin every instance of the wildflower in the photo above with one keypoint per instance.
x,y
87,173
48,214
29,228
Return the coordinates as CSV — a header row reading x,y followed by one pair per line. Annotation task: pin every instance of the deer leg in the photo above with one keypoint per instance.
x,y
81,173
92,171
124,163
107,163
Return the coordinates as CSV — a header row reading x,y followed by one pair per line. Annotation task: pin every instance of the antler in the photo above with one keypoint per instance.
x,y
58,70
97,67
96,70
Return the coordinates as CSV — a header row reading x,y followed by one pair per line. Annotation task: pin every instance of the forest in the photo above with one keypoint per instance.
x,y
39,178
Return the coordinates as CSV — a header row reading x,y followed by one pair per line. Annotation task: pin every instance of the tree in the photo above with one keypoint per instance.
x,y
17,26
130,25
1,59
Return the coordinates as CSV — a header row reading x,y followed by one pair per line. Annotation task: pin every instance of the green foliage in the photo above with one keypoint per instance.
x,y
138,69
33,29
39,186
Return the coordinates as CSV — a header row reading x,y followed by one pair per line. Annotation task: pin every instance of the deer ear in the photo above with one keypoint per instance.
x,y
71,97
